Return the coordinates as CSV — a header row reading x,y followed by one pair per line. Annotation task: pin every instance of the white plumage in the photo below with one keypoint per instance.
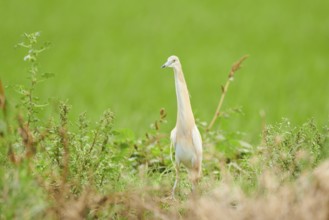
x,y
185,137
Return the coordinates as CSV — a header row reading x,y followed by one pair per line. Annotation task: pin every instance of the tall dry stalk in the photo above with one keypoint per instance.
x,y
2,98
235,67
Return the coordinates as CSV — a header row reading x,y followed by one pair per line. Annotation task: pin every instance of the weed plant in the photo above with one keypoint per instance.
x,y
56,168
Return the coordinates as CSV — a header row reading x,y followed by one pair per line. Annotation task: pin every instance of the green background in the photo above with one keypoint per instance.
x,y
107,54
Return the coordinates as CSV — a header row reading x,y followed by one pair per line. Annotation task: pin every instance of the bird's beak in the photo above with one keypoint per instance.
x,y
165,65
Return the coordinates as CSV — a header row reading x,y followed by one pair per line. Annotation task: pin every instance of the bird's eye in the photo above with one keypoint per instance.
x,y
174,61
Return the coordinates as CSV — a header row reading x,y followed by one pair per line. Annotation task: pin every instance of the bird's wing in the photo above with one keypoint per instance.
x,y
173,143
173,136
197,140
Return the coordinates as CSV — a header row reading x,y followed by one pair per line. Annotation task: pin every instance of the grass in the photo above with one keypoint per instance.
x,y
58,168
64,156
113,52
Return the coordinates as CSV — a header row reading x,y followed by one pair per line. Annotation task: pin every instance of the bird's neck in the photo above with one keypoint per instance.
x,y
185,118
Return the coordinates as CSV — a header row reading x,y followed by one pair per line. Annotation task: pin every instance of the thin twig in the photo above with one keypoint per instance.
x,y
94,141
11,153
3,108
2,98
66,157
27,137
236,66
263,117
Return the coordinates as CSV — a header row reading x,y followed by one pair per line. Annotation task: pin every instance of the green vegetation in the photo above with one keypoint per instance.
x,y
58,168
85,119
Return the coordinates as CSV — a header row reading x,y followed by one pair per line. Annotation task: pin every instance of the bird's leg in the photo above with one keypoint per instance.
x,y
193,186
195,183
176,180
195,175
194,180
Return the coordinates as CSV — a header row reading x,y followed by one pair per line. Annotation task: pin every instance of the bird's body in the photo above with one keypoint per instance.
x,y
185,136
188,148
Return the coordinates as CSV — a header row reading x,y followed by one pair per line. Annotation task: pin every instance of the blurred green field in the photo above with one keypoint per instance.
x,y
107,54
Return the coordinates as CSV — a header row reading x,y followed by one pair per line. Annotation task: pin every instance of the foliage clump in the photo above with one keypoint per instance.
x,y
293,149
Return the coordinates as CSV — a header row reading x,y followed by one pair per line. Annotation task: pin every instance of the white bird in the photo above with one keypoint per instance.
x,y
185,136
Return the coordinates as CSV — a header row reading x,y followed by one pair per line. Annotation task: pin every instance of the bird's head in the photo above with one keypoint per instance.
x,y
172,62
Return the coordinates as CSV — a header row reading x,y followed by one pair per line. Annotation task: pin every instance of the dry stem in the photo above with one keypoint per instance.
x,y
2,97
236,66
